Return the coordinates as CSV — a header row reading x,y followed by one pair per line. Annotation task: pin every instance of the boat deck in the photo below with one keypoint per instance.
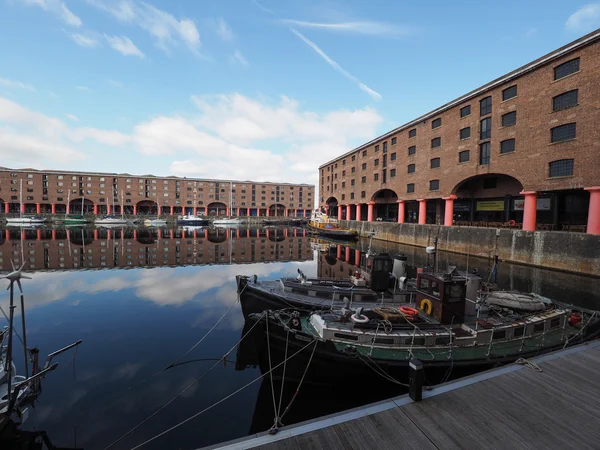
x,y
512,407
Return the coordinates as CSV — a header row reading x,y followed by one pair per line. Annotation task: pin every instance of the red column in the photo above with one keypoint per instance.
x,y
38,208
7,208
107,209
400,211
287,212
172,210
108,233
195,212
160,233
422,212
95,235
23,236
370,211
182,233
347,255
135,234
227,211
23,207
449,211
135,210
358,211
67,208
529,210
95,209
339,215
205,234
357,258
53,235
296,212
295,232
171,232
339,252
39,234
53,208
593,224
348,212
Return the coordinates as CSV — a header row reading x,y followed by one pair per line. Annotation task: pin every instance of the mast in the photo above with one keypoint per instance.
x,y
68,200
122,205
20,201
82,199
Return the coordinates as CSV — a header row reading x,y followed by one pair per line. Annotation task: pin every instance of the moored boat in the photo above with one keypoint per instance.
x,y
155,222
110,220
25,220
329,227
190,219
228,221
74,219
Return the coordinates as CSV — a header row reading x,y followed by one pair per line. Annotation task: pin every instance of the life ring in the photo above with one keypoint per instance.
x,y
407,310
426,306
359,319
295,322
511,223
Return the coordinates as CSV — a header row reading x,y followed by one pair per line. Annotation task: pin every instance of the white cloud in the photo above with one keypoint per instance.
x,y
223,30
365,28
58,8
73,117
161,25
85,40
83,88
123,45
238,58
584,19
17,84
336,66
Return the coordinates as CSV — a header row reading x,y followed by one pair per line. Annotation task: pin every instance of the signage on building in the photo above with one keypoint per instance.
x,y
490,205
462,207
543,204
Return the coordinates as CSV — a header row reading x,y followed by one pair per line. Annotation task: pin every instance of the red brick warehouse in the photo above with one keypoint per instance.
x,y
521,149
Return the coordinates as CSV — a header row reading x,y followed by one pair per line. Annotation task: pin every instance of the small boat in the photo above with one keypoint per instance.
x,y
25,220
228,221
74,219
326,226
110,220
190,219
155,222
436,330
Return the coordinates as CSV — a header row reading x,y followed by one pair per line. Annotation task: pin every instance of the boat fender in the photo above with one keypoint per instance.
x,y
359,318
575,319
426,306
295,322
407,310
511,223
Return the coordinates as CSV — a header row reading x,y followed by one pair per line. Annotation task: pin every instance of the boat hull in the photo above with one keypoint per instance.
x,y
19,221
193,222
346,235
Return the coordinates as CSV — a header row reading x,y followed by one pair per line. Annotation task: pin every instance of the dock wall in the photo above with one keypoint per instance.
x,y
570,252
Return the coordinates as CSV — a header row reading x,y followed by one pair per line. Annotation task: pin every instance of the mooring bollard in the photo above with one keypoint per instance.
x,y
415,380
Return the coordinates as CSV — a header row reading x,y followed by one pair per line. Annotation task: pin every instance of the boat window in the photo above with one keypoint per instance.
x,y
499,334
519,331
349,337
417,341
424,284
555,323
538,327
435,288
441,340
387,341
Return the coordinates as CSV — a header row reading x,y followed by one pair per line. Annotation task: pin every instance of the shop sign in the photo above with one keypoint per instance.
x,y
490,205
543,204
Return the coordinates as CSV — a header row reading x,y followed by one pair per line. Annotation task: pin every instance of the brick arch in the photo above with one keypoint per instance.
x,y
75,206
384,196
473,186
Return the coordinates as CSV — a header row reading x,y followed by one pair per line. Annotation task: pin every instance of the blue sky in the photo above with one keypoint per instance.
x,y
246,89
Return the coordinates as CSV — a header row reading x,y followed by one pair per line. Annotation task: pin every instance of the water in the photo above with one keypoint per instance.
x,y
148,305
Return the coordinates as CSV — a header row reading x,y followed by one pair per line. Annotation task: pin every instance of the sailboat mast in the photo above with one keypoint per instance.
x,y
21,198
82,198
122,205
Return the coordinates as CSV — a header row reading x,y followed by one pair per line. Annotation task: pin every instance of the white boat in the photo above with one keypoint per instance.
x,y
228,221
191,219
111,220
155,222
24,220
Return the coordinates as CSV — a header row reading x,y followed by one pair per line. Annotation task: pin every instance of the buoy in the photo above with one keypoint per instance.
x,y
407,310
359,318
575,319
426,306
511,223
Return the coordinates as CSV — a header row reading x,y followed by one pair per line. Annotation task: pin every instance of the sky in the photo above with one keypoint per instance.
x,y
263,90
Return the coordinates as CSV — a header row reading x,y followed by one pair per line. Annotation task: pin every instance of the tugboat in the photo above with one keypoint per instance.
x,y
324,225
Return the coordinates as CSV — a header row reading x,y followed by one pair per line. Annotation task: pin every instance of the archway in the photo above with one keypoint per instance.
x,y
76,206
331,206
145,236
217,209
146,207
81,236
217,235
277,210
488,198
386,205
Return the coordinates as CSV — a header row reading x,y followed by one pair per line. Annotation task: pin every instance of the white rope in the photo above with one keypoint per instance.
x,y
270,367
526,363
287,335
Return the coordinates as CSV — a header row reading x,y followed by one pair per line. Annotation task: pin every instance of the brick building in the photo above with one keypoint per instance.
x,y
524,148
58,192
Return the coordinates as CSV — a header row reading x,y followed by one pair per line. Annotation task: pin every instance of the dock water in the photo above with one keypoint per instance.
x,y
516,406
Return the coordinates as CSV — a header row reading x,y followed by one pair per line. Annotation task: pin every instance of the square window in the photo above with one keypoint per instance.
x,y
412,133
364,153
376,162
507,146
364,166
435,163
509,119
377,148
485,128
412,150
363,180
465,111
394,140
376,177
434,185
393,157
353,157
436,123
566,68
363,194
565,101
392,173
563,132
411,168
485,106
464,156
561,168
410,188
484,153
436,142
510,92
465,133
385,147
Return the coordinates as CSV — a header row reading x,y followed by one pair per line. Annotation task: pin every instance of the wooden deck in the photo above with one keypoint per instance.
x,y
513,407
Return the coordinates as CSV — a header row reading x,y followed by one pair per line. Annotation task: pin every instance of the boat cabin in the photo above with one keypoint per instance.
x,y
442,296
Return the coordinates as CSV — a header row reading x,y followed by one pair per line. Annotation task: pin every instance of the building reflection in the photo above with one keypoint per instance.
x,y
93,248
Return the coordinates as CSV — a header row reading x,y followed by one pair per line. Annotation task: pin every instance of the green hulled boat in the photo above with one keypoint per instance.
x,y
74,219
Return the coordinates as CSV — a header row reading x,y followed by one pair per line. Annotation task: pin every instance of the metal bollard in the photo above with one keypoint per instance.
x,y
415,380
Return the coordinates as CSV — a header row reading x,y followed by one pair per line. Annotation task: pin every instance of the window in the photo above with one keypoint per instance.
x,y
484,153
353,170
485,128
434,185
352,182
363,194
376,177
393,157
436,142
363,180
563,132
465,111
394,140
465,133
565,101
411,168
376,162
519,331
60,177
436,123
509,119
364,166
412,133
509,93
392,173
344,172
566,68
385,147
507,146
376,148
485,106
353,157
464,156
490,183
343,162
351,195
343,197
499,335
343,185
412,150
364,153
561,168
435,163
410,188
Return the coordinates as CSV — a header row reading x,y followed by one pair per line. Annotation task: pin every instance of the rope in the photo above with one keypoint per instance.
x,y
526,363
287,335
184,390
580,330
183,422
14,330
301,381
276,420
